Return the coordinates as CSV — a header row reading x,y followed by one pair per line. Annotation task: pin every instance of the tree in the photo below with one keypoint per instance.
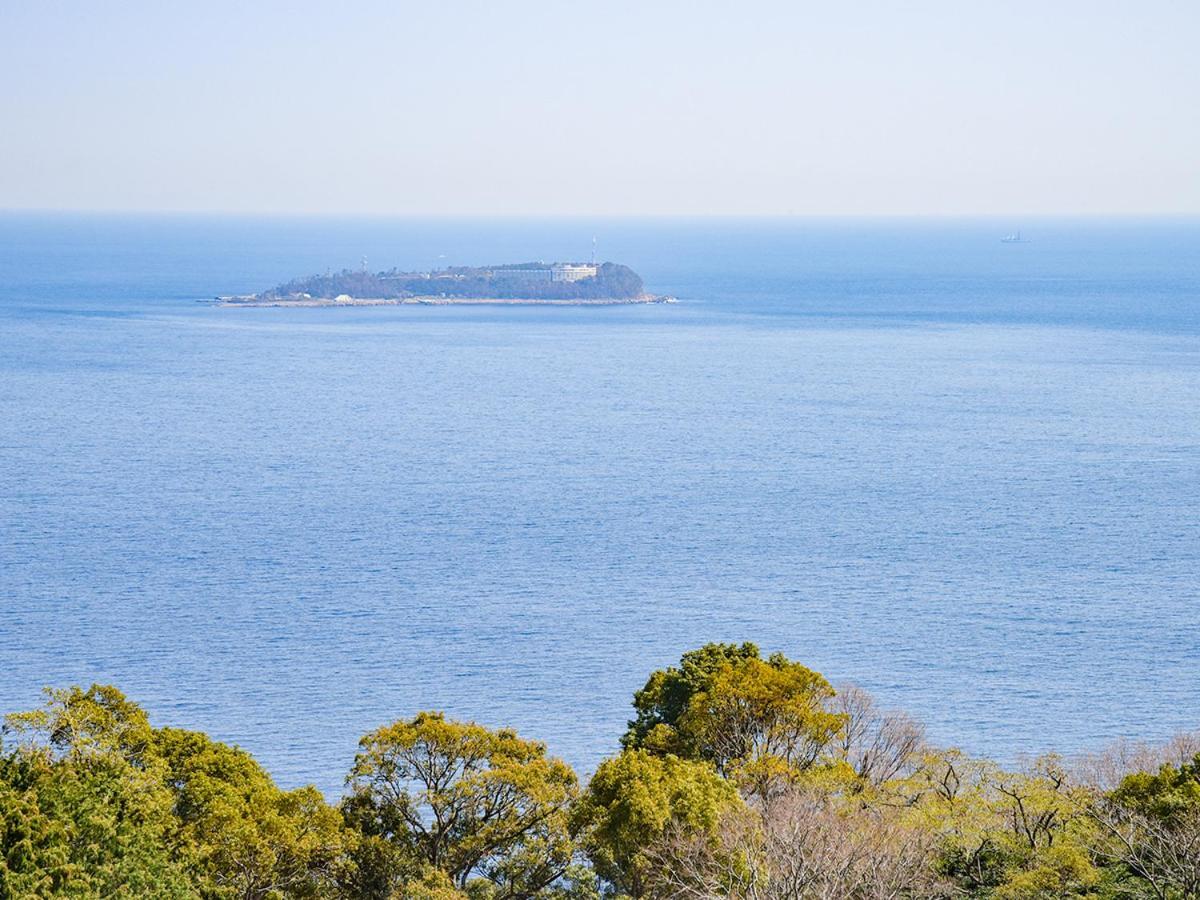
x,y
465,800
632,802
101,803
250,839
666,695
760,722
879,745
1005,834
78,723
84,811
802,844
1151,823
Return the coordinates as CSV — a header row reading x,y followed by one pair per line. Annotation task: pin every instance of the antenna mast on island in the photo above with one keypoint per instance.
x,y
593,249
364,264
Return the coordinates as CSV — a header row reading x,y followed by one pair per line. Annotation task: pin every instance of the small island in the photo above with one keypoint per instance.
x,y
533,283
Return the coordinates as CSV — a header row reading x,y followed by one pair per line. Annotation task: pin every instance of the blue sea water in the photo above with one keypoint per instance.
x,y
961,473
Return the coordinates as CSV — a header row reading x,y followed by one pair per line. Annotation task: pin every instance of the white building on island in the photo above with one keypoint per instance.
x,y
552,272
572,271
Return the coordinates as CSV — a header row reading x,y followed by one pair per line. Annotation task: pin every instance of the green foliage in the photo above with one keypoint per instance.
x,y
467,801
760,722
1007,834
34,847
84,816
99,804
1168,794
249,838
1064,870
79,722
430,884
739,779
1151,826
666,695
632,801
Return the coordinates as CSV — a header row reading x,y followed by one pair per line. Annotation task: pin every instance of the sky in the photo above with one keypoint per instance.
x,y
655,107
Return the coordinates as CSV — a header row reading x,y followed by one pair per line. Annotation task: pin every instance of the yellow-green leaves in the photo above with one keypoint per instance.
x,y
1169,793
248,837
667,693
759,722
465,800
110,807
85,813
634,799
743,778
1150,824
79,722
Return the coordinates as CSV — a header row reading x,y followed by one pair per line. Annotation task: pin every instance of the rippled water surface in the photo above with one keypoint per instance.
x,y
961,473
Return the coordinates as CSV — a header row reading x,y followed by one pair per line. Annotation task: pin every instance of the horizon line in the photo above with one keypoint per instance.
x,y
591,216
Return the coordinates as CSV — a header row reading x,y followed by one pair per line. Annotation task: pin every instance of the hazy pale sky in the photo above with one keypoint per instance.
x,y
530,107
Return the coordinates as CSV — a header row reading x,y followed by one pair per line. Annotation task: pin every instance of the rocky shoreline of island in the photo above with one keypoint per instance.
x,y
259,301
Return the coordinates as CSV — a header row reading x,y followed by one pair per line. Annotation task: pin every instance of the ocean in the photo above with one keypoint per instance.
x,y
960,473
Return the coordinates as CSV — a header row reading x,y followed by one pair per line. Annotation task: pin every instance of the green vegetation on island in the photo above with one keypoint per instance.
x,y
739,777
521,281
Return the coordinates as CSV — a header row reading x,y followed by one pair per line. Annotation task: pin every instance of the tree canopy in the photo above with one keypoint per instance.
x,y
467,801
635,800
757,721
741,777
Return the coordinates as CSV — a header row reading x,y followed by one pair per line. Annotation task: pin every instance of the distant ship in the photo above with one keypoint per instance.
x,y
1013,239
